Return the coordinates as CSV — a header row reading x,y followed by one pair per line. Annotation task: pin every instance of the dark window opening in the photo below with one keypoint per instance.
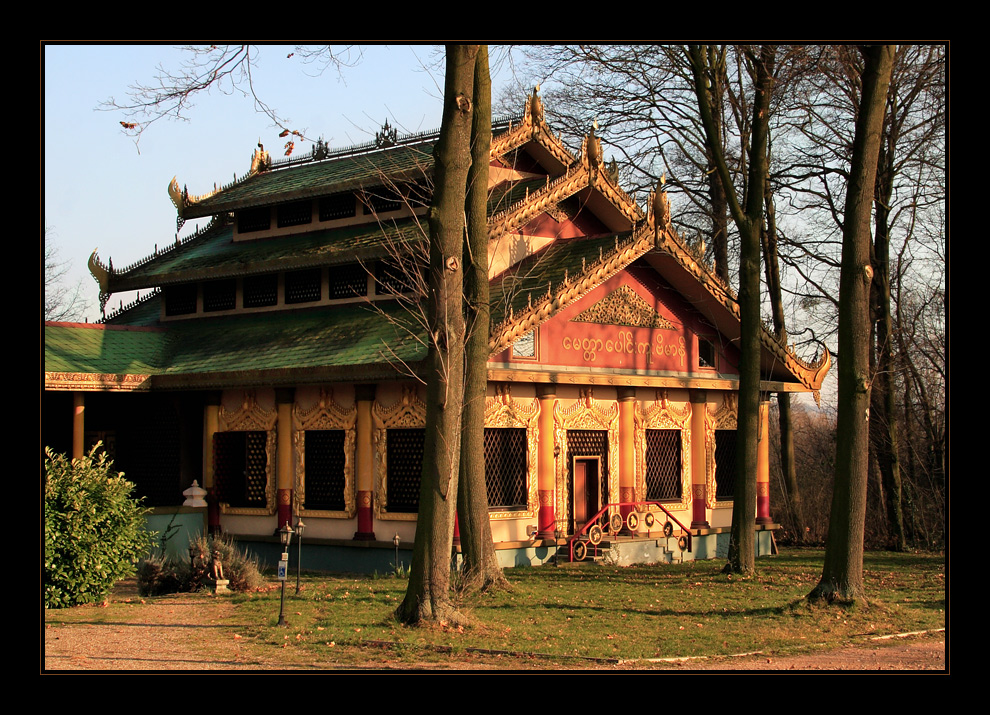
x,y
220,295
251,220
505,468
382,201
295,214
348,281
240,468
337,206
706,353
405,469
180,299
304,286
261,291
393,279
663,464
726,463
325,470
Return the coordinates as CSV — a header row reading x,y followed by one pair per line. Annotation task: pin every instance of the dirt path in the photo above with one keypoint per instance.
x,y
167,635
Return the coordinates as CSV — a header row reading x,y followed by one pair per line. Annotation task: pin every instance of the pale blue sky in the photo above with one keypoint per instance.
x,y
101,192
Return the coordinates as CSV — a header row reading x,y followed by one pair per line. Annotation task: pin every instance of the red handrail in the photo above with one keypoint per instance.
x,y
608,508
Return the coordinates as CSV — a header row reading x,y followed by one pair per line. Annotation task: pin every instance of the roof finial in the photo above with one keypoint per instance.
x,y
536,105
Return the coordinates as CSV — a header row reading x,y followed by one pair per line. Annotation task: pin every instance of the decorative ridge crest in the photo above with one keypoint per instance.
x,y
555,191
569,290
139,300
532,127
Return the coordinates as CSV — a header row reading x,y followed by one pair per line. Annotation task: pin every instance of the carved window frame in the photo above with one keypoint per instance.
x,y
502,411
725,417
326,414
662,415
408,413
251,417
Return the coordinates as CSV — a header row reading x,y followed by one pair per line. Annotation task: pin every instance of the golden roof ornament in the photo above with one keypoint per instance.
x,y
536,105
661,206
260,160
594,146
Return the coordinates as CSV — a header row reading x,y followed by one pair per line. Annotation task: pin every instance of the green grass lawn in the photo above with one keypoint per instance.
x,y
594,611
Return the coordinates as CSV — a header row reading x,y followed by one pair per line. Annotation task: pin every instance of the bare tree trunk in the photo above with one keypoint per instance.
x,y
749,221
481,568
427,597
842,574
887,456
787,467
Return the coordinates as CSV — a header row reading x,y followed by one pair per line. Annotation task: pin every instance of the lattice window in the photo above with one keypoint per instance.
x,y
304,286
325,470
505,467
240,468
663,464
261,291
726,463
220,295
405,468
392,279
348,281
297,213
337,206
180,299
250,220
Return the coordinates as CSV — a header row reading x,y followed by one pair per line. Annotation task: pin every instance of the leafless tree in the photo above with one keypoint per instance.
x,y
63,301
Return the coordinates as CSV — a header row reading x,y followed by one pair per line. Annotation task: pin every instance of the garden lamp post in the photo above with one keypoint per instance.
x,y
300,527
285,535
395,543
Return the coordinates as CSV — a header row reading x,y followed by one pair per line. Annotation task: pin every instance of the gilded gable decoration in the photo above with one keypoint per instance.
x,y
505,412
585,414
623,306
248,416
326,414
408,413
662,415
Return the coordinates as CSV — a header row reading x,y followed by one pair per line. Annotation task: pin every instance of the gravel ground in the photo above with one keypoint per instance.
x,y
167,635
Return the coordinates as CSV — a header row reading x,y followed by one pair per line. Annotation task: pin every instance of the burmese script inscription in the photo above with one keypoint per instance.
x,y
624,344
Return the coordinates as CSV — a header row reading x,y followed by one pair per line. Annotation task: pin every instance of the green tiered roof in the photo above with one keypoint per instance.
x,y
216,255
210,351
319,178
70,347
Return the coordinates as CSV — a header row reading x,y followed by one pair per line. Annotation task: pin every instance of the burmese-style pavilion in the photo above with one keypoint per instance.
x,y
274,358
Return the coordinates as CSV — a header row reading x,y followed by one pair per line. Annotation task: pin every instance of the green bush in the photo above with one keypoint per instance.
x,y
157,576
94,529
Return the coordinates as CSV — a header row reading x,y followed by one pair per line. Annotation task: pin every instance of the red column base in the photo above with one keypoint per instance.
x,y
365,518
284,507
546,520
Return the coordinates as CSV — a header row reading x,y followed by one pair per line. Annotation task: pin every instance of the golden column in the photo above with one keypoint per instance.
x,y
627,448
763,466
699,459
547,463
284,397
211,422
78,424
364,396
